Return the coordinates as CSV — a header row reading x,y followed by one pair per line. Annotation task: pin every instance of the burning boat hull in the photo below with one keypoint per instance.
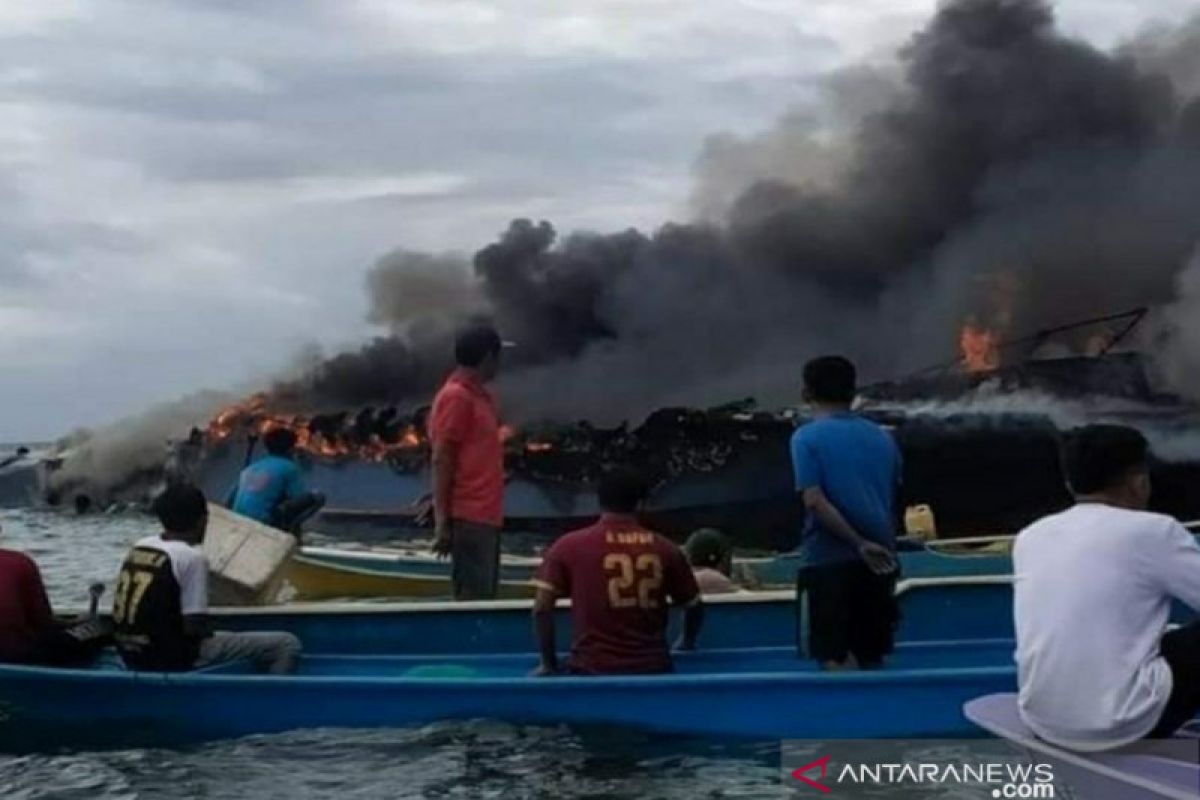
x,y
750,497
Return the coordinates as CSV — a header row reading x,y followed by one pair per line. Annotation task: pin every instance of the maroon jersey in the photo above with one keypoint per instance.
x,y
619,577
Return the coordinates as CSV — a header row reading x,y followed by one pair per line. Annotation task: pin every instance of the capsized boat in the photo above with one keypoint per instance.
x,y
760,693
1166,769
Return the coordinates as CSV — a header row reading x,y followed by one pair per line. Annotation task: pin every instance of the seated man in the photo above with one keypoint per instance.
x,y
1093,590
711,557
160,605
619,577
28,631
272,491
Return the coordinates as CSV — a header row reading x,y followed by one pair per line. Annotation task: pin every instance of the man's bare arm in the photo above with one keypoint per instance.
x,y
445,464
543,630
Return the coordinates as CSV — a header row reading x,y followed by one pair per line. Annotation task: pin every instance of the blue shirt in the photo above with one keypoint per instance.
x,y
857,464
264,485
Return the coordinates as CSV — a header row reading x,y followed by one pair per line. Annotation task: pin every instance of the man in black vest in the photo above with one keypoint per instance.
x,y
160,606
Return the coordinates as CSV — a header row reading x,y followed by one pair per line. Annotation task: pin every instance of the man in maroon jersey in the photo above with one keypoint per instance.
x,y
619,577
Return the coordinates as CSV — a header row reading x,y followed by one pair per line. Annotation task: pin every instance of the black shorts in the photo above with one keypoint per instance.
x,y
475,560
851,612
1180,648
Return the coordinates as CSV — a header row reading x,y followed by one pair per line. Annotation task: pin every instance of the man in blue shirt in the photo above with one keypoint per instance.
x,y
847,470
272,490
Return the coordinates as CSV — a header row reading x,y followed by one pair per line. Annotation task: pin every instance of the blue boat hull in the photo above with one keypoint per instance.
x,y
938,610
760,694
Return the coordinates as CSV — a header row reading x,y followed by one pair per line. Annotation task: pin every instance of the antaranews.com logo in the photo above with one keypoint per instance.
x,y
847,767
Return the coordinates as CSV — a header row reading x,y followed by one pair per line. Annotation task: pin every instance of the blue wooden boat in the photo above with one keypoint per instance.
x,y
760,693
934,609
323,573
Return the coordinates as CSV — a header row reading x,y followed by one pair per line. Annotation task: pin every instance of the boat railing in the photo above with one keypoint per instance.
x,y
906,585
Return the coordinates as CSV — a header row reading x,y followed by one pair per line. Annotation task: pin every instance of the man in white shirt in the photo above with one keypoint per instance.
x,y
1093,593
160,606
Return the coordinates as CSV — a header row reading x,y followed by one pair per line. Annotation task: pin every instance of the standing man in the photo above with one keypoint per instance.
x,y
468,466
1096,666
619,578
160,607
847,471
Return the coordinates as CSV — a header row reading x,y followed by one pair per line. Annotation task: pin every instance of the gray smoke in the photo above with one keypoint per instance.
x,y
1003,173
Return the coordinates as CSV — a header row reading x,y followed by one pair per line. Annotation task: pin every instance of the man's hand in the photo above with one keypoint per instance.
x,y
878,558
543,671
422,509
443,539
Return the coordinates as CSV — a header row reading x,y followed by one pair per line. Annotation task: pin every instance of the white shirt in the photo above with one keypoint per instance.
x,y
190,568
1092,597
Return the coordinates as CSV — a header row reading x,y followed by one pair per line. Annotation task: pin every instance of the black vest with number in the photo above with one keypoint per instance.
x,y
147,615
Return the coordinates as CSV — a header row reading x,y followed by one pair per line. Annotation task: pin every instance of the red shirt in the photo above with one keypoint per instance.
x,y
24,607
464,414
619,577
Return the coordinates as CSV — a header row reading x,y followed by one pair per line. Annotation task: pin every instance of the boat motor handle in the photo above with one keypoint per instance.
x,y
95,592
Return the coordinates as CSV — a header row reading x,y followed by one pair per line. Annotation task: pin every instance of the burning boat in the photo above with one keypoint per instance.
x,y
983,460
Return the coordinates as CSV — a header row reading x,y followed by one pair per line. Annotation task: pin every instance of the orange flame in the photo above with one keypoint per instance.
x,y
980,348
250,416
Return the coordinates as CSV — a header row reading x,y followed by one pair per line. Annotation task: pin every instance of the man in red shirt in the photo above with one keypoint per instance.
x,y
619,577
28,632
468,467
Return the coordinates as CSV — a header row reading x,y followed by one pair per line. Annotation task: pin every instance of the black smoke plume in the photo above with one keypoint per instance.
x,y
1005,174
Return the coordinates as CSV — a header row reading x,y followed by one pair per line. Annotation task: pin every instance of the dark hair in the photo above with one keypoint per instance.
x,y
280,441
474,344
707,547
180,508
830,379
621,490
1099,457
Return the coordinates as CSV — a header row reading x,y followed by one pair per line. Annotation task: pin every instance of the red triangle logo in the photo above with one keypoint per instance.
x,y
823,764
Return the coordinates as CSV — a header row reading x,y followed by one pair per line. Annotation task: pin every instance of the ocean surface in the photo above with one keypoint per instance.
x,y
473,759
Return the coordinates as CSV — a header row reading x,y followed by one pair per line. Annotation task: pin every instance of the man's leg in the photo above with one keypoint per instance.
x,y
828,622
475,561
873,616
1181,650
273,652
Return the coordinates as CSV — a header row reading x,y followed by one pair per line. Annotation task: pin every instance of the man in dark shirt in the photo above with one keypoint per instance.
x,y
847,470
28,632
619,577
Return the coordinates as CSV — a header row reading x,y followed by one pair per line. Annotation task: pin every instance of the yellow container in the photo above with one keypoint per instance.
x,y
919,522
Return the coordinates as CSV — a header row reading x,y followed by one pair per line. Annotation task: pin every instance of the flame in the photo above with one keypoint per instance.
x,y
252,418
980,348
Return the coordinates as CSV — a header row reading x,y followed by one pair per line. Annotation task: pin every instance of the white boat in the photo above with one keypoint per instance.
x,y
1165,769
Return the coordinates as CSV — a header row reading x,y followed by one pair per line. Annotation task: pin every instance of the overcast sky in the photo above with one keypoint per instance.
x,y
190,192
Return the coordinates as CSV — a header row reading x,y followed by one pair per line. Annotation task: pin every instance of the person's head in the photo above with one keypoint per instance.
x,y
708,547
183,513
830,381
1108,462
22,451
478,348
280,442
622,491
